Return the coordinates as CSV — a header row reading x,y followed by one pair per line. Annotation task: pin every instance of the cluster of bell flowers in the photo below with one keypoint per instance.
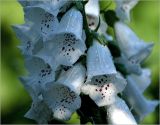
x,y
52,47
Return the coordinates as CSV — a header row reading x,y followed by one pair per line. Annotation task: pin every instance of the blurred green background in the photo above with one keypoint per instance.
x,y
14,99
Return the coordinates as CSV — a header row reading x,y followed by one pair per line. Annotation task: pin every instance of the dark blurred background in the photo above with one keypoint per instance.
x,y
14,99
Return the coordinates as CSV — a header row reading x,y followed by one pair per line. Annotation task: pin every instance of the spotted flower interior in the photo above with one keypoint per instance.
x,y
70,58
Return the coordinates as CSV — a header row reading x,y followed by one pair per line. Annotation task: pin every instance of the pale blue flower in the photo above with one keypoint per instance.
x,y
118,113
99,60
93,12
136,100
103,82
68,44
134,50
63,95
31,41
130,45
40,73
130,65
123,8
44,22
39,112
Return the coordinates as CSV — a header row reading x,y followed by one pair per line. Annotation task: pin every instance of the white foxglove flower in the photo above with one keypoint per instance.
x,y
39,112
103,28
68,44
123,8
103,82
118,113
93,12
129,43
31,41
103,89
63,95
138,102
44,22
142,81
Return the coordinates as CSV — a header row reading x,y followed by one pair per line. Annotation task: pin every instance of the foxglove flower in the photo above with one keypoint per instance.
x,y
118,113
123,8
40,73
133,49
31,41
128,41
63,95
44,22
93,12
135,98
68,44
39,112
130,65
103,82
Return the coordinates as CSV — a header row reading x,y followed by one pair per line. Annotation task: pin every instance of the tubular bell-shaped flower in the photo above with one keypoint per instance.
x,y
93,12
39,112
133,49
103,82
118,113
44,22
63,95
31,41
123,8
136,100
128,41
40,73
68,44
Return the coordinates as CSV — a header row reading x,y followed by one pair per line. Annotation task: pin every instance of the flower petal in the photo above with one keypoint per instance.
x,y
118,113
68,44
39,71
32,88
123,8
142,81
99,60
44,22
135,98
51,6
104,89
39,112
93,11
29,39
128,41
130,65
62,101
143,54
73,78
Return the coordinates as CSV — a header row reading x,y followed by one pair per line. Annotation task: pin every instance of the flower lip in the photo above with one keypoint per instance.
x,y
62,101
104,89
